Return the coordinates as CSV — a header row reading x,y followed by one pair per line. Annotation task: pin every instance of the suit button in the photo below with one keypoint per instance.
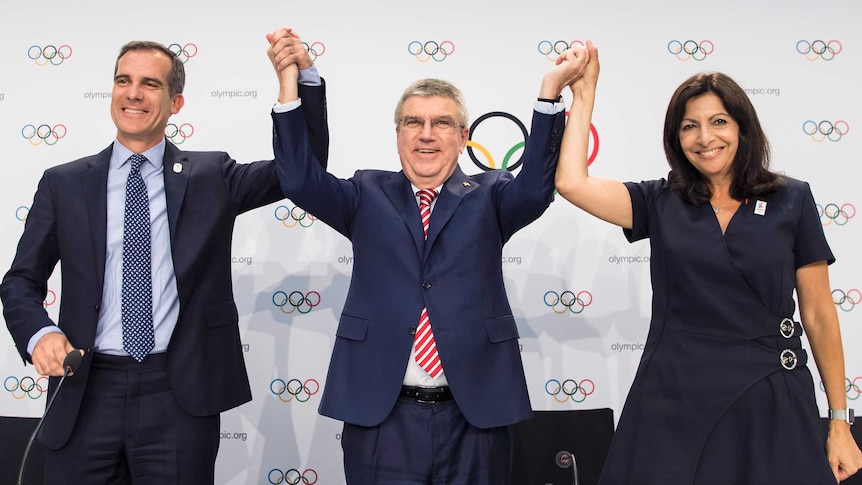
x,y
412,330
98,308
426,285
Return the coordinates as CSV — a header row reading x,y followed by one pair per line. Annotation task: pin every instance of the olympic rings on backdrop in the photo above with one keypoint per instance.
x,y
517,146
50,299
178,135
50,135
825,129
569,389
846,300
32,388
296,301
315,50
185,52
49,53
21,213
294,388
552,50
853,388
567,300
819,49
431,50
292,477
833,213
691,49
291,217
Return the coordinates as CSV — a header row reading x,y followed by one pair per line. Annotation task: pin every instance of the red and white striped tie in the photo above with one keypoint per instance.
x,y
423,342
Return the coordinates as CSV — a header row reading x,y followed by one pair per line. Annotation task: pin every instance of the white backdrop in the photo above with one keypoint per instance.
x,y
798,61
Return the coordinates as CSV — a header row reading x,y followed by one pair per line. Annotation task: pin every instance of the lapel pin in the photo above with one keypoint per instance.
x,y
178,167
466,184
760,208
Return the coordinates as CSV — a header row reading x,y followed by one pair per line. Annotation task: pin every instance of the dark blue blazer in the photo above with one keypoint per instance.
x,y
457,274
67,223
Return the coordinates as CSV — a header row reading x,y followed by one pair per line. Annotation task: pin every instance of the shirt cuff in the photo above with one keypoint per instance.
x,y
284,108
31,345
547,108
309,77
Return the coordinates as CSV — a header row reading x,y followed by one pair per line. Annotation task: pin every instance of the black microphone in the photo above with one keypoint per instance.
x,y
564,459
70,363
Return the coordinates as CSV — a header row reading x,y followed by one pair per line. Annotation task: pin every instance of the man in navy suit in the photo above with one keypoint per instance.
x,y
427,406
154,419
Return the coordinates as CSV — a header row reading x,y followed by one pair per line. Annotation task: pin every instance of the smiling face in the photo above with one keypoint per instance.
x,y
140,100
709,137
430,144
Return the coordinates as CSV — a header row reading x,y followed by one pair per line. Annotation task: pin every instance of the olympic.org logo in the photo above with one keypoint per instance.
x,y
691,49
839,215
431,50
569,389
292,477
819,49
296,301
552,50
185,52
179,134
294,389
26,386
826,129
292,217
853,388
315,50
43,133
568,300
49,54
491,164
846,300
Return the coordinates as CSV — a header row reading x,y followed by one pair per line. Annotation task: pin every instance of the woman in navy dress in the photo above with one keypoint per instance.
x,y
722,394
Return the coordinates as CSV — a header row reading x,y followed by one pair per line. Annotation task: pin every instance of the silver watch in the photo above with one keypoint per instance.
x,y
845,415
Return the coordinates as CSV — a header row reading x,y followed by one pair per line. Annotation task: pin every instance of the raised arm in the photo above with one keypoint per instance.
x,y
604,198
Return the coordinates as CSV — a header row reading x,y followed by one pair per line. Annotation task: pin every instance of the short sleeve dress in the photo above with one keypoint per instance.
x,y
722,394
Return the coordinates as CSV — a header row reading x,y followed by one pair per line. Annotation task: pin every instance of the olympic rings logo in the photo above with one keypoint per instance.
x,y
294,389
21,213
833,213
293,217
49,54
853,388
292,476
185,52
43,133
691,49
568,300
315,50
819,49
26,386
846,300
50,299
296,301
825,129
569,389
431,50
179,134
552,50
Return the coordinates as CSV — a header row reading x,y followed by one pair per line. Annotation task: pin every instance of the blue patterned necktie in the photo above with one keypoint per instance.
x,y
137,294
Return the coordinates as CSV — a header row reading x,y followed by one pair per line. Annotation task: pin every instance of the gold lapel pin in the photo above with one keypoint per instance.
x,y
466,184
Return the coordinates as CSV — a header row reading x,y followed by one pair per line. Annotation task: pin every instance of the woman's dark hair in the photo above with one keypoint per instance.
x,y
750,170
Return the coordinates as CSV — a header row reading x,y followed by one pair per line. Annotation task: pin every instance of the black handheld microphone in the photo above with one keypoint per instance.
x,y
564,459
70,363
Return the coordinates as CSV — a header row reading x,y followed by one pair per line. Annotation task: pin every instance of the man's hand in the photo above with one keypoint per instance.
x,y
50,352
570,66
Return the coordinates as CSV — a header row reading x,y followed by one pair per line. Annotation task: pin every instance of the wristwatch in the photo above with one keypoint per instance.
x,y
845,415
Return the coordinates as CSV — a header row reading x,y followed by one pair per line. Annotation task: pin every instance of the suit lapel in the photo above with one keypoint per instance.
x,y
453,192
176,172
94,188
400,193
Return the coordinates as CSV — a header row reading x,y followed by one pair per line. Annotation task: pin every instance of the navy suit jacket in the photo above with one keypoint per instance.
x,y
457,274
67,223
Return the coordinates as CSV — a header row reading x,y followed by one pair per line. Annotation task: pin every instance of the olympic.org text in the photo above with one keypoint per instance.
x,y
97,95
516,260
635,347
758,91
241,260
226,435
234,94
628,259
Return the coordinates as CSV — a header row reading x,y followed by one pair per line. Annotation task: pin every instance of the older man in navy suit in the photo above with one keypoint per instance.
x,y
163,354
426,371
